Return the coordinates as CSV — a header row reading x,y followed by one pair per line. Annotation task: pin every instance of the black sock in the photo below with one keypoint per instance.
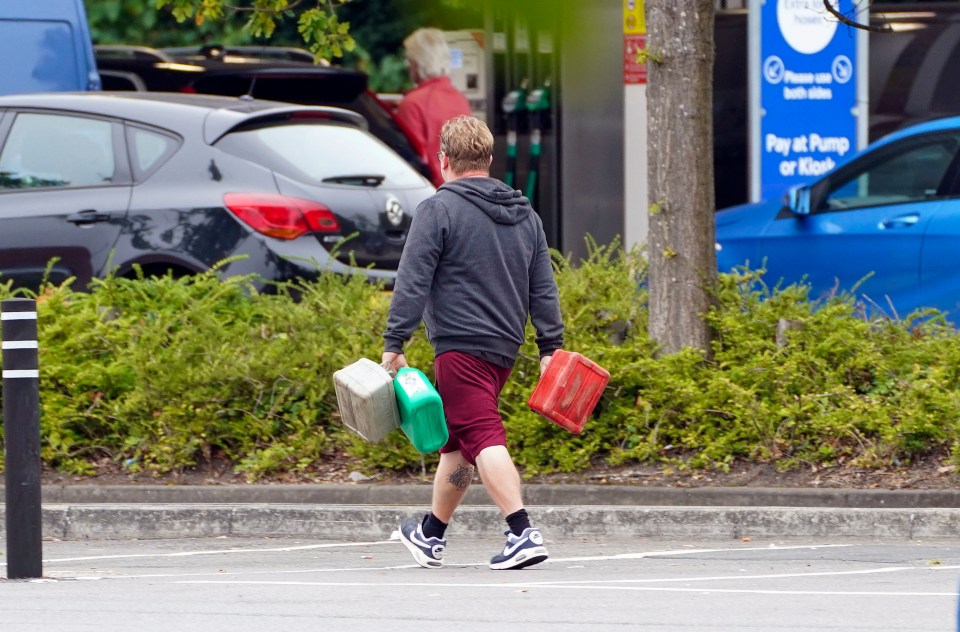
x,y
432,527
518,521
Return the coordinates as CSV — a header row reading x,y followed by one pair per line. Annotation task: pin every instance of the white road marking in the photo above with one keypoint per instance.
x,y
233,573
284,549
307,547
576,587
617,584
655,580
638,556
601,583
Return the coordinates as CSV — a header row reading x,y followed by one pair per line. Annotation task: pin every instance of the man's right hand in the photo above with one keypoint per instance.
x,y
393,361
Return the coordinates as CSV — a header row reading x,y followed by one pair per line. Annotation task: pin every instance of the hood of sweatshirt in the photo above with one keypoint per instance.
x,y
502,203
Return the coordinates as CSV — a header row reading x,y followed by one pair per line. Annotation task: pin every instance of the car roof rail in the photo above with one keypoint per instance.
x,y
260,53
288,53
246,113
123,51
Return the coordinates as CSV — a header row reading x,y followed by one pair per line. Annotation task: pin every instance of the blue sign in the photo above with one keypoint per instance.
x,y
808,90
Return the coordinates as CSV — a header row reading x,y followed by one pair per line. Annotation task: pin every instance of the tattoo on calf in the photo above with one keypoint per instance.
x,y
462,477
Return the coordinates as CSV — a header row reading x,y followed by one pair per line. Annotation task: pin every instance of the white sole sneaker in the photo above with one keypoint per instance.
x,y
416,547
520,551
527,557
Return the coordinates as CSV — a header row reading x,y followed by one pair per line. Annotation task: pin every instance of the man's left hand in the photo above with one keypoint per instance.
x,y
544,361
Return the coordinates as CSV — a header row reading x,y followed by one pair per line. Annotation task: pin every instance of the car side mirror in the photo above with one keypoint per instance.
x,y
798,199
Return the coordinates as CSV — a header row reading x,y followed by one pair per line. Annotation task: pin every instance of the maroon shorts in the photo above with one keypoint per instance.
x,y
470,388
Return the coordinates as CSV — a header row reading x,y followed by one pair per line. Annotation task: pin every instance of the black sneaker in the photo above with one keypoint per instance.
x,y
428,552
520,551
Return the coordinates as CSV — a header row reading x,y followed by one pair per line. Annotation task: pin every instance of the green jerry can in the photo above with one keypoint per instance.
x,y
421,411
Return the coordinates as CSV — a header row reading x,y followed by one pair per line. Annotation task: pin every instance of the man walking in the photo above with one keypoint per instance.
x,y
474,267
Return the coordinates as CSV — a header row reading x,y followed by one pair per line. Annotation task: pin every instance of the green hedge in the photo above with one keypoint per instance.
x,y
164,374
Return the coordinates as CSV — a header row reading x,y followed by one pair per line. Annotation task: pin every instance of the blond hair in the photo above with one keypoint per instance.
x,y
427,48
468,143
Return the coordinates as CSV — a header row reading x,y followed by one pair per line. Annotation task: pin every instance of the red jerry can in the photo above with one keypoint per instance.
x,y
569,390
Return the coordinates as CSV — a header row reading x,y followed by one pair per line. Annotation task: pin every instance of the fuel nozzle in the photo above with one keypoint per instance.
x,y
516,100
538,99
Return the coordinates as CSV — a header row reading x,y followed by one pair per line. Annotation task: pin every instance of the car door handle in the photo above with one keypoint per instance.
x,y
901,221
89,216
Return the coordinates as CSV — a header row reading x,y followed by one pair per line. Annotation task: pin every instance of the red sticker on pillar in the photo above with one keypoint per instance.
x,y
634,71
634,42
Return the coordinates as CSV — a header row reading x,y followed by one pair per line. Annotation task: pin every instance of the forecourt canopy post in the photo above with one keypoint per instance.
x,y
21,426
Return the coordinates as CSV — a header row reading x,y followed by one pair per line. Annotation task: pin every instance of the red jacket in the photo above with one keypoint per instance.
x,y
424,110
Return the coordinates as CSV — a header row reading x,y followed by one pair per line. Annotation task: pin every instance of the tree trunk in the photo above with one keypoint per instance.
x,y
681,250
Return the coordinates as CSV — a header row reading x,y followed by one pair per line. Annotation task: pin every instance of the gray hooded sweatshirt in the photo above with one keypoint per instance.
x,y
474,266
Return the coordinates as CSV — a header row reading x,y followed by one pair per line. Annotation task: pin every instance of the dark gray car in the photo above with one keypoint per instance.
x,y
177,182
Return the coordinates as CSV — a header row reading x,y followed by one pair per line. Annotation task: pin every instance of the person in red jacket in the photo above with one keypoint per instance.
x,y
434,100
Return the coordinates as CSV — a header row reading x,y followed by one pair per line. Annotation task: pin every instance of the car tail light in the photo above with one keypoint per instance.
x,y
188,89
281,216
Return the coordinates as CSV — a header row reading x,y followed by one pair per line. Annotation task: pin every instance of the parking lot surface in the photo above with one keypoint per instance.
x,y
650,584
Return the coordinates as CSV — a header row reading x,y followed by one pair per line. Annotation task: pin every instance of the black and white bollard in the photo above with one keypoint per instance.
x,y
21,427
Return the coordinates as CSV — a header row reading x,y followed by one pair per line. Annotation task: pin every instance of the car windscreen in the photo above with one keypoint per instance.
x,y
322,154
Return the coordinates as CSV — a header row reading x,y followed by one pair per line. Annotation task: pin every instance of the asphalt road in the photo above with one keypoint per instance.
x,y
283,584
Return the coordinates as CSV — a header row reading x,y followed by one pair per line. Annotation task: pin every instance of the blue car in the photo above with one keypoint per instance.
x,y
886,223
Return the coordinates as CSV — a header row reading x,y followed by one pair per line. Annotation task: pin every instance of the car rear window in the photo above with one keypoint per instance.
x,y
315,153
149,149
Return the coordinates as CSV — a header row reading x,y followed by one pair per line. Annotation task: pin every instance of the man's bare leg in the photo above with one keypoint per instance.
x,y
450,484
501,478
524,546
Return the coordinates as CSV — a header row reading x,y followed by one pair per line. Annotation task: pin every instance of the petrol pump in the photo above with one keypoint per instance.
x,y
538,106
513,106
556,109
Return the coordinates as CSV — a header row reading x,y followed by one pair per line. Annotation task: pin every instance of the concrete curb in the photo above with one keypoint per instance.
x,y
419,494
145,521
373,511
149,521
